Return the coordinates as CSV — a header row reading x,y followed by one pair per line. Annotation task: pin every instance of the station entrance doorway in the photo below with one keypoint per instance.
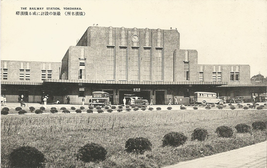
x,y
160,97
143,94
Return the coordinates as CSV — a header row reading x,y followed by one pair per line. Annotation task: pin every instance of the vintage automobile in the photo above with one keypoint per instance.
x,y
207,98
99,98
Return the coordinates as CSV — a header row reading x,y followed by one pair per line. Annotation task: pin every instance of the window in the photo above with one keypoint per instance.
x,y
43,76
43,71
214,77
80,74
81,92
21,76
201,76
232,74
49,76
82,63
237,76
186,70
219,76
5,74
49,71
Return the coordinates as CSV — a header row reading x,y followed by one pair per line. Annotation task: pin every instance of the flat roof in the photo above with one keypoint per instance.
x,y
134,82
244,85
20,83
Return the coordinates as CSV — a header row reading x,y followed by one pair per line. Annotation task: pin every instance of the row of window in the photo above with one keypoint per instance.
x,y
217,76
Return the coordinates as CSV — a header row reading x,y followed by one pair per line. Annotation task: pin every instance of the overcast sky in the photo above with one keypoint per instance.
x,y
222,31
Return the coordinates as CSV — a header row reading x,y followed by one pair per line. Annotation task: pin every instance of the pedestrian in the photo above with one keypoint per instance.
x,y
68,100
83,99
45,100
124,101
22,103
151,101
175,100
170,101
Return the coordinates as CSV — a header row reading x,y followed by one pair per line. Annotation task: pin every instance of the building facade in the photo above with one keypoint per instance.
x,y
145,62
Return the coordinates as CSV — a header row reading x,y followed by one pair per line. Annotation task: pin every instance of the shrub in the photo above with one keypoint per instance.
x,y
82,108
182,107
113,107
91,153
110,110
224,131
250,106
245,108
66,111
207,107
127,106
169,108
259,108
100,111
22,112
106,107
158,108
119,110
240,106
78,111
63,108
38,111
72,108
31,109
91,107
26,156
128,109
174,139
232,107
42,108
98,107
90,111
136,108
259,125
220,107
120,107
195,107
5,111
199,134
138,145
212,105
18,108
143,108
53,110
150,108
243,128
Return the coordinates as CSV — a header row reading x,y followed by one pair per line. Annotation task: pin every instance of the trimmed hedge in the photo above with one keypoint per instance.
x,y
199,134
26,156
100,111
138,145
92,152
72,108
245,108
224,131
174,139
158,108
82,108
63,108
91,107
119,110
169,108
5,111
22,112
243,128
150,108
110,110
78,111
128,109
42,108
113,107
195,107
182,107
66,111
232,107
38,111
18,108
31,109
89,111
259,125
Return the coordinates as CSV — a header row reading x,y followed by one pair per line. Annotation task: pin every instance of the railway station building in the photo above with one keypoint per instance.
x,y
145,62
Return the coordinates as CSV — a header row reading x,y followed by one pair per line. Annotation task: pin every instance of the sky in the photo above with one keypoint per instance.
x,y
222,31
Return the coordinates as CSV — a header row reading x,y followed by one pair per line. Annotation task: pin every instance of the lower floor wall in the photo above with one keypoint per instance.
x,y
155,94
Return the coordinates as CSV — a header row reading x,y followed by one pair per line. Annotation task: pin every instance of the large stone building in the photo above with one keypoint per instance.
x,y
145,62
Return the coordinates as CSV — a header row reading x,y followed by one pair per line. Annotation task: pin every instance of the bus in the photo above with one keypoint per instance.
x,y
207,98
100,98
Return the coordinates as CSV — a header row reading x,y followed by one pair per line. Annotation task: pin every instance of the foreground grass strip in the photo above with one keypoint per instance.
x,y
60,136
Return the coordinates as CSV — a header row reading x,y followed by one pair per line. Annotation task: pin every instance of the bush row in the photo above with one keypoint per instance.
x,y
27,156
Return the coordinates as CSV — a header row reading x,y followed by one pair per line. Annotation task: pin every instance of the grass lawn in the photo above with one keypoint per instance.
x,y
59,136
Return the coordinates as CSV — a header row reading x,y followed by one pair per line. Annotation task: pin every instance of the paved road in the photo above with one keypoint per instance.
x,y
253,156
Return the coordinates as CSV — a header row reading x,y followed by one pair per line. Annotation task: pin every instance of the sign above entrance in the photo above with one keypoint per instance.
x,y
136,89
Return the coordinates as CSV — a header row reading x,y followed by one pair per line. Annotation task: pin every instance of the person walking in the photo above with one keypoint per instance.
x,y
124,101
170,101
68,99
45,100
83,99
